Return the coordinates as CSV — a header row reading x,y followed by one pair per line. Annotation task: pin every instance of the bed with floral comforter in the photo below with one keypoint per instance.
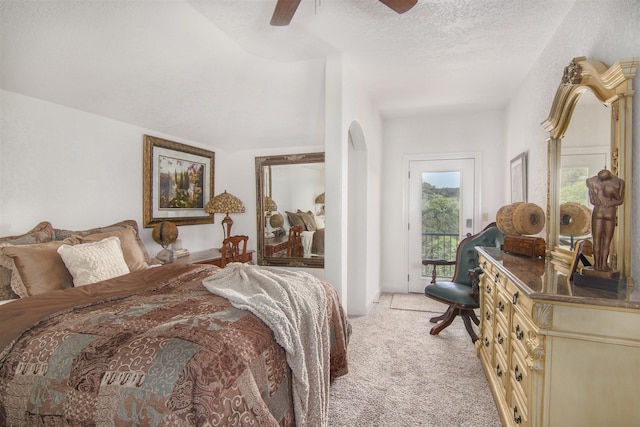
x,y
152,347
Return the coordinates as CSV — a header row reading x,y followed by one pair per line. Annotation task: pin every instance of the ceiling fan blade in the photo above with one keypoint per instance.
x,y
284,11
400,6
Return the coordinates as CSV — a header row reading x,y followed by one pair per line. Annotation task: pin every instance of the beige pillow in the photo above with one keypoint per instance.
x,y
41,233
95,261
309,221
319,222
133,255
295,219
36,268
60,234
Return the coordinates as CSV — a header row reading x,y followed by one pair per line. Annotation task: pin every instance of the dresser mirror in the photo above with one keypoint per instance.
x,y
290,193
590,128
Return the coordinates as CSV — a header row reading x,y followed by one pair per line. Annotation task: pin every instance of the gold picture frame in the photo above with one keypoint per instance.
x,y
178,181
519,178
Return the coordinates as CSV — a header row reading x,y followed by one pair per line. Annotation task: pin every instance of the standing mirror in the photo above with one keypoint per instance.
x,y
590,127
290,210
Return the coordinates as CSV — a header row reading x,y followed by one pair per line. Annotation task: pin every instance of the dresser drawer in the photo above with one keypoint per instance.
x,y
501,372
502,339
521,331
487,341
519,409
520,373
503,307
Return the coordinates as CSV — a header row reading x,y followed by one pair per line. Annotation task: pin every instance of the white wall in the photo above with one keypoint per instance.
x,y
79,170
447,132
600,30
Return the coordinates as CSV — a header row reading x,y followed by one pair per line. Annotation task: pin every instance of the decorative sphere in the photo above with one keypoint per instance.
x,y
276,220
165,233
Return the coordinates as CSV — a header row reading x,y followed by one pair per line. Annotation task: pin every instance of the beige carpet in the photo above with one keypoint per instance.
x,y
416,302
400,375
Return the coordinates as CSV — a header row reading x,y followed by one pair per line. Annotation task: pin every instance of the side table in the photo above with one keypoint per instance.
x,y
209,256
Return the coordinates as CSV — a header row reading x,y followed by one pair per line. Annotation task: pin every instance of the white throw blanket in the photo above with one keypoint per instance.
x,y
293,305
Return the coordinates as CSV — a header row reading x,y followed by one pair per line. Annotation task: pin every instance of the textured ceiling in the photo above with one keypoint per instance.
x,y
215,72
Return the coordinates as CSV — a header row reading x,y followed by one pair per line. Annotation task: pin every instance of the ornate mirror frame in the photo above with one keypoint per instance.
x,y
263,185
612,86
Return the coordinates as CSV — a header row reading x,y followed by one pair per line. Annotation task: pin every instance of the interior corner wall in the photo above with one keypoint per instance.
x,y
601,30
347,102
358,108
79,170
428,134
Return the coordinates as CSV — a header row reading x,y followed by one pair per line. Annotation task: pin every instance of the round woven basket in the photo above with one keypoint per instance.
x,y
520,218
528,218
575,219
504,219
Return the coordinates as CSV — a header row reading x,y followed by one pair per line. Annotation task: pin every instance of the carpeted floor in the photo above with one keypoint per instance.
x,y
400,375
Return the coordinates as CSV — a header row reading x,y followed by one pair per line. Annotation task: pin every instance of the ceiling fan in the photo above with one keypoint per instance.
x,y
285,9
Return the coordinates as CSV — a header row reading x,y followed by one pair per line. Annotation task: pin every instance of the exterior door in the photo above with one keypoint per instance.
x,y
441,211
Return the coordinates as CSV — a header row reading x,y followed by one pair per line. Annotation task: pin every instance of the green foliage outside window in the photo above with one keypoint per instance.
x,y
440,216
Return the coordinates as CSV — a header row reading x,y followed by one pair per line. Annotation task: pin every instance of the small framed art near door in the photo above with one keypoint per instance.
x,y
177,182
519,178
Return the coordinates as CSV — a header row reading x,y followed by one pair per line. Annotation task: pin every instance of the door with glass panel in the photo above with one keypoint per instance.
x,y
441,212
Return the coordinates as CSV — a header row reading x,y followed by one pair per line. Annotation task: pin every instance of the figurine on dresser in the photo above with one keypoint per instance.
x,y
606,193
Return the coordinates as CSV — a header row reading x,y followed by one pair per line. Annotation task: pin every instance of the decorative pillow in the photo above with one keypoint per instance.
x,y
295,219
133,255
319,222
307,218
41,233
60,234
36,268
95,261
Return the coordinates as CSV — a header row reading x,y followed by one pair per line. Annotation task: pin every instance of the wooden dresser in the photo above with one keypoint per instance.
x,y
556,354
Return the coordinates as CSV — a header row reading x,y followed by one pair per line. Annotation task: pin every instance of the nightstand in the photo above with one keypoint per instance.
x,y
209,256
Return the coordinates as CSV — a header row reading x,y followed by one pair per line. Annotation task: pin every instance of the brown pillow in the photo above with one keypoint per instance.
x,y
60,234
37,268
295,219
133,255
41,233
308,219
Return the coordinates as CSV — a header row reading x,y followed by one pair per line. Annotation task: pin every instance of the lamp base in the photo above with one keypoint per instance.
x,y
227,222
165,256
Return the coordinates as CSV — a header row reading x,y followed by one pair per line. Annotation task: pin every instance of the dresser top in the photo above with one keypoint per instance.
x,y
539,279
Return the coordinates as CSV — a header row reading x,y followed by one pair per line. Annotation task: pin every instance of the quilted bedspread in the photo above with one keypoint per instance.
x,y
149,348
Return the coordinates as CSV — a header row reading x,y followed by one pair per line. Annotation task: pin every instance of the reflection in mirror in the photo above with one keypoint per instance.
x,y
612,86
290,210
585,150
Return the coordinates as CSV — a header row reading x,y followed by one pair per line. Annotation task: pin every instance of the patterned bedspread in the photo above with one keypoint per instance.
x,y
150,348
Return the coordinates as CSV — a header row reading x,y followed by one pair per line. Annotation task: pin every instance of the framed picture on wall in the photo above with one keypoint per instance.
x,y
177,183
519,178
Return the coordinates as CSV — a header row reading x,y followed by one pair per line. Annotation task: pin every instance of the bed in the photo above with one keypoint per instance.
x,y
312,231
153,346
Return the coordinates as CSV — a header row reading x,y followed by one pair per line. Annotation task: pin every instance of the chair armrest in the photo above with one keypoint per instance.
x,y
475,273
437,262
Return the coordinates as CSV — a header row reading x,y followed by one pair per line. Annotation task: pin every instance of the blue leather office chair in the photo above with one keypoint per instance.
x,y
460,294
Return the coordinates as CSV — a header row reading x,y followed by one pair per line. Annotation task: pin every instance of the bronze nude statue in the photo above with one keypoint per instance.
x,y
606,193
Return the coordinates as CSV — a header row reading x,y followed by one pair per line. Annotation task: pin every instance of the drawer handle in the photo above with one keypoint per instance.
x,y
498,371
518,374
519,333
500,338
486,342
488,316
484,265
501,306
516,418
495,279
515,298
488,289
